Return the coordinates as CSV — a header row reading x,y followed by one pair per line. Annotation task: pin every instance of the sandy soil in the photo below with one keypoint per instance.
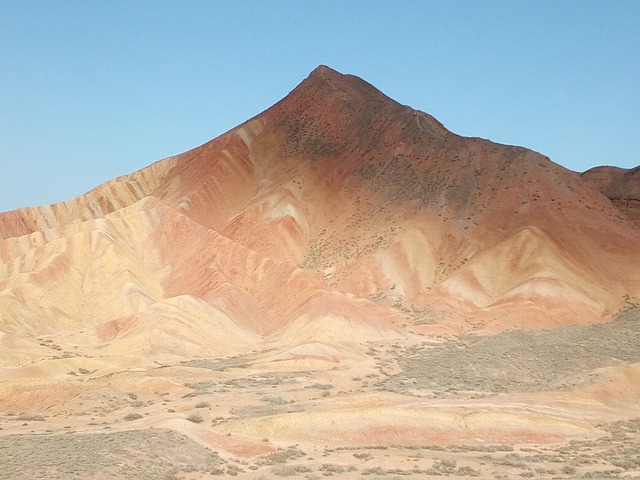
x,y
463,407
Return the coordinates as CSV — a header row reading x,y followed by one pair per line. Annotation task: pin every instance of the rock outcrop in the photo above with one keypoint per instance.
x,y
620,185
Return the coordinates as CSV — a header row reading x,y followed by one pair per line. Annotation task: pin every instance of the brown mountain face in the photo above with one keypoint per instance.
x,y
620,185
335,219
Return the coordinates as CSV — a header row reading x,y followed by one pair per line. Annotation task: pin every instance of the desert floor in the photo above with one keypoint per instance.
x,y
556,403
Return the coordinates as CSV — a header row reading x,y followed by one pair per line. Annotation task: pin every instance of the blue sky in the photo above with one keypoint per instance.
x,y
96,89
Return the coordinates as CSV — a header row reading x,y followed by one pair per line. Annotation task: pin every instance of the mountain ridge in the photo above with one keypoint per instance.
x,y
382,202
341,270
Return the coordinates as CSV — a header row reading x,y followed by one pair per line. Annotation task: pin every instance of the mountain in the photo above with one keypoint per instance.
x,y
346,191
335,220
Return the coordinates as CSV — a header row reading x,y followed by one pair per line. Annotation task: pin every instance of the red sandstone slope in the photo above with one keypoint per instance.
x,y
334,199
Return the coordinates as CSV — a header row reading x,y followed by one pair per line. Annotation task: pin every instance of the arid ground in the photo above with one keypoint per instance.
x,y
532,404
338,287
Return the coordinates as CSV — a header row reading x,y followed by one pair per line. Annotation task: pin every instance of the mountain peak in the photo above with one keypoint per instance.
x,y
323,71
325,80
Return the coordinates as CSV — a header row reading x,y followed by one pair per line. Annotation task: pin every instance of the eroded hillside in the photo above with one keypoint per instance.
x,y
340,270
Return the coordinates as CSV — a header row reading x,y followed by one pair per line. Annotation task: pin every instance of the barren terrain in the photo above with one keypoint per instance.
x,y
337,287
538,404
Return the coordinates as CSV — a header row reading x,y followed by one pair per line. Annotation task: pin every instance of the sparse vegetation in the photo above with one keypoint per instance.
x,y
442,467
132,416
140,454
195,418
329,469
322,386
516,361
29,417
373,471
289,470
363,456
282,456
274,400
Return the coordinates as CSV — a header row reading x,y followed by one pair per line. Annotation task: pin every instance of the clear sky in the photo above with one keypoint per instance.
x,y
90,90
